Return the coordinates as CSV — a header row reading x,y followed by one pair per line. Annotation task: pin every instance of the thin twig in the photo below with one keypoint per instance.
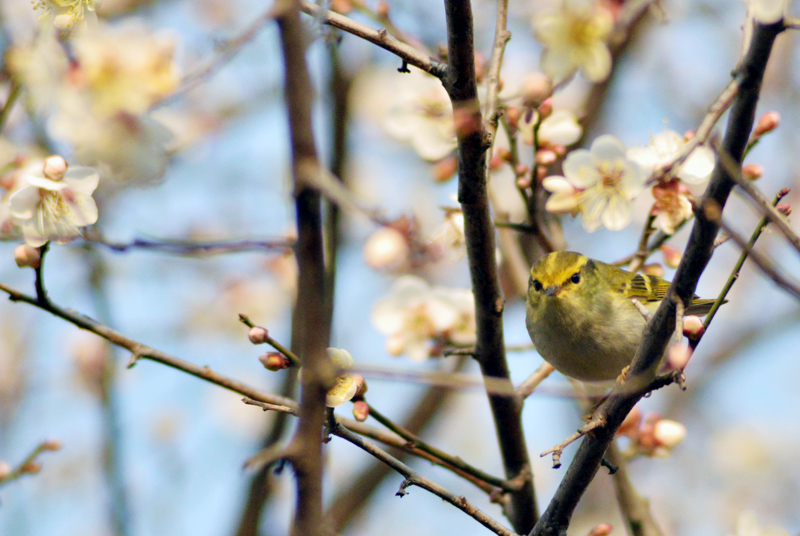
x,y
635,509
437,453
189,247
28,466
142,351
382,38
295,360
527,387
412,478
735,272
13,95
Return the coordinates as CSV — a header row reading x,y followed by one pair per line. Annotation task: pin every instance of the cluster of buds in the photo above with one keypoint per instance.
x,y
650,436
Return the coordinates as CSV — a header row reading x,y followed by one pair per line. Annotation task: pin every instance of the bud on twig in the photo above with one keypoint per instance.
x,y
27,256
258,335
767,123
274,361
752,172
360,411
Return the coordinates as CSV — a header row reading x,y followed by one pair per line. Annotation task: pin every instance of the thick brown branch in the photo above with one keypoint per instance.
x,y
584,466
461,85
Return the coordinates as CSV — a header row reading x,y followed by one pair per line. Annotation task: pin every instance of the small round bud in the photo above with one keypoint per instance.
x,y
669,433
541,173
362,386
672,256
692,326
752,172
784,208
386,249
360,410
653,269
678,356
55,167
536,87
512,116
7,182
545,157
767,123
545,108
503,153
52,444
341,6
395,345
31,468
523,182
601,530
444,169
27,256
689,135
274,361
258,335
382,9
496,163
5,470
630,425
560,150
521,170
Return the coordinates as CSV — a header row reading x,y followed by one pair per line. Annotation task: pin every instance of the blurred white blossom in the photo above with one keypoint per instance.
x,y
767,11
418,318
420,113
346,384
387,249
559,128
54,207
600,184
747,525
448,238
664,148
575,37
68,15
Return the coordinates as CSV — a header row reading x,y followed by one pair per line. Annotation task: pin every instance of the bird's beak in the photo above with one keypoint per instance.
x,y
552,290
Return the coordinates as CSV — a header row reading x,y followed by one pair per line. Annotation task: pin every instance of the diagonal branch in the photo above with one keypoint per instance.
x,y
586,462
382,38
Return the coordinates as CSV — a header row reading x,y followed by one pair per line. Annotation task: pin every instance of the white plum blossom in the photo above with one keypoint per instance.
x,y
747,525
346,384
665,147
575,37
672,205
421,113
418,318
767,11
68,15
54,206
600,184
559,128
448,238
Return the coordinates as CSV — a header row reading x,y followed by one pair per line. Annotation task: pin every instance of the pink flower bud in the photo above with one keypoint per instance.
x,y
521,170
444,169
545,108
31,468
27,256
55,167
653,269
692,326
669,433
752,172
382,9
258,335
601,530
630,426
767,123
672,256
536,87
784,208
362,386
523,182
52,444
274,361
678,356
512,116
5,470
360,410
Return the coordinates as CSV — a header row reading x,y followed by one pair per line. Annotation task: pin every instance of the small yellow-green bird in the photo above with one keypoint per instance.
x,y
581,317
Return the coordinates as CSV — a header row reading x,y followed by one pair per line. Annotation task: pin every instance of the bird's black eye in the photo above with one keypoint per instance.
x,y
537,286
576,278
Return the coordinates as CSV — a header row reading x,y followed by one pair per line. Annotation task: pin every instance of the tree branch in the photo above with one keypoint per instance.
x,y
473,142
381,37
586,462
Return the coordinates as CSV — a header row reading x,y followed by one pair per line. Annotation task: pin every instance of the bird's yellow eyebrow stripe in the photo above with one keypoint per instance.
x,y
559,268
